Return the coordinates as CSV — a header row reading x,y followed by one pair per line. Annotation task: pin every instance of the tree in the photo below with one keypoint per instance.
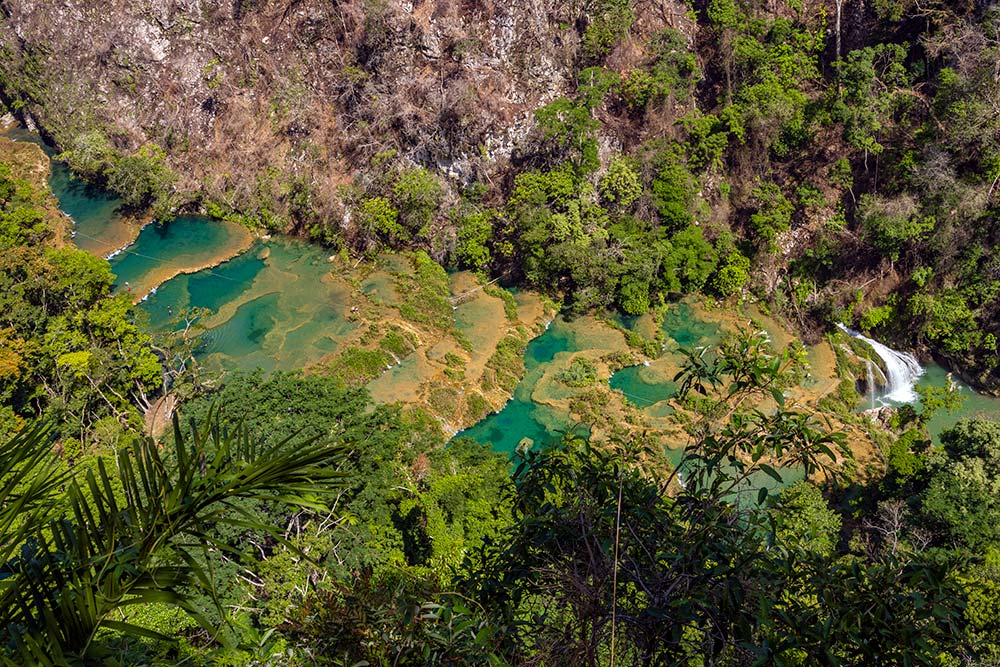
x,y
143,179
732,275
569,127
606,563
378,216
962,499
91,154
874,83
82,357
805,521
773,215
591,566
674,189
690,260
83,548
610,21
23,218
675,68
397,619
946,320
417,194
474,234
411,510
621,185
892,224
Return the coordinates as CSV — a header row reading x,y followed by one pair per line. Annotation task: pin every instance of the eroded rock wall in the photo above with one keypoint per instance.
x,y
233,90
265,105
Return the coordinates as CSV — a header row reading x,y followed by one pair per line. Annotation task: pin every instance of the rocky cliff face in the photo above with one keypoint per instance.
x,y
269,107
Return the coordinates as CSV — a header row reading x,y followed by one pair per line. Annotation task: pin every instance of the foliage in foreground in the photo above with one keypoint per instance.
x,y
582,555
82,548
604,563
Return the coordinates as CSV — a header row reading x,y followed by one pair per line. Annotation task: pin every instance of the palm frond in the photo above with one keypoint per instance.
x,y
124,534
29,477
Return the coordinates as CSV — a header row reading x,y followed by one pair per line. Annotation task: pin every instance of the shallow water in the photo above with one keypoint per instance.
x,y
641,385
682,325
99,226
278,312
272,307
162,251
645,386
523,418
974,405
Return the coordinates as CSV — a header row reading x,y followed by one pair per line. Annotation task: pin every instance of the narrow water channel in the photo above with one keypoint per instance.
x,y
274,307
183,245
522,419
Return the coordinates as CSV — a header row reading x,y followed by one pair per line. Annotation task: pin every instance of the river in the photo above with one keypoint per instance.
x,y
270,303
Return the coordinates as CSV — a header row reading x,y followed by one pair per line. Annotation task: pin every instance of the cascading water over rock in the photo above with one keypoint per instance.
x,y
870,378
901,370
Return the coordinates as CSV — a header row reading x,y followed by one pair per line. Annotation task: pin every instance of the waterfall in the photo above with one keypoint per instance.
x,y
901,369
871,381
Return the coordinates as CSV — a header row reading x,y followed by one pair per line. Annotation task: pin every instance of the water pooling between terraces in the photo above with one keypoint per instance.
x,y
274,307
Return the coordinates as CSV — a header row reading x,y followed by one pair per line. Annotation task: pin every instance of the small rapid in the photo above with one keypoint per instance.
x,y
901,370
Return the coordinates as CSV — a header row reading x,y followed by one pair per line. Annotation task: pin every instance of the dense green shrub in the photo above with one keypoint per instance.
x,y
580,373
378,216
732,275
621,185
357,366
417,194
890,224
773,215
143,179
610,21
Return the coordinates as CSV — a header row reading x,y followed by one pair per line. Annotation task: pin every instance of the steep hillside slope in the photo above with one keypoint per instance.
x,y
258,103
837,159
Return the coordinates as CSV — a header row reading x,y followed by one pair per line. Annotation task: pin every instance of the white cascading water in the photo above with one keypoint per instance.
x,y
901,370
871,381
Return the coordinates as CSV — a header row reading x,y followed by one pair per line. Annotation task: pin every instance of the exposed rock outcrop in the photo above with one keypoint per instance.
x,y
268,108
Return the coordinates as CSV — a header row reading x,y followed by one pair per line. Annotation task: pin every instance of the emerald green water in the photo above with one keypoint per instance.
x,y
95,212
639,389
641,385
523,418
162,250
210,289
683,327
99,227
974,405
272,307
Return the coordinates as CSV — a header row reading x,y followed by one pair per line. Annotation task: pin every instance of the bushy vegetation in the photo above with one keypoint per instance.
x,y
69,349
756,150
142,179
357,366
580,373
23,218
507,362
